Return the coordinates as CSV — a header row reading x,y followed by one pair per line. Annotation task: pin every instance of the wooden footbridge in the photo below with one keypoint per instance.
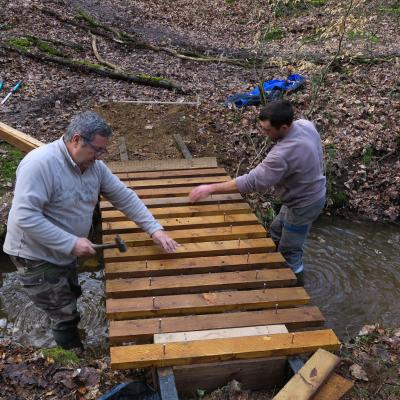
x,y
222,304
223,307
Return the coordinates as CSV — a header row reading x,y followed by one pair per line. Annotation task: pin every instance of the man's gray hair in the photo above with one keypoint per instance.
x,y
87,124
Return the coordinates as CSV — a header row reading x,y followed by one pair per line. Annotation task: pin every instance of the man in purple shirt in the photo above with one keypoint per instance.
x,y
294,168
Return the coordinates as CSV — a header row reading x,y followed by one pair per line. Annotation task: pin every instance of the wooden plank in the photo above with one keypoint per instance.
x,y
162,165
181,201
183,353
210,334
201,249
142,330
182,146
179,191
164,285
334,389
123,153
166,383
241,262
195,235
183,211
310,377
18,139
175,182
179,173
202,303
182,223
258,374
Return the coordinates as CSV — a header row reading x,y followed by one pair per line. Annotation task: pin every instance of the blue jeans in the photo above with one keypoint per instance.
x,y
289,231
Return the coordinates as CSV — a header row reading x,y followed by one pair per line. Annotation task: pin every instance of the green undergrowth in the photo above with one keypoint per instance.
x,y
271,33
8,163
65,358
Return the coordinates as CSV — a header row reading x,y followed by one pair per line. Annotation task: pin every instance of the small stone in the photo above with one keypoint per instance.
x,y
3,323
358,373
148,127
57,104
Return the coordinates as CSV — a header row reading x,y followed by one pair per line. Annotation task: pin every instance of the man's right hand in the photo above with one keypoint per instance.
x,y
83,247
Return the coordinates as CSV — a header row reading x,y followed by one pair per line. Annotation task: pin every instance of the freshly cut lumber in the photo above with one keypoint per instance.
x,y
195,235
162,165
334,388
257,374
163,285
181,201
20,140
142,330
183,353
182,223
183,211
240,262
177,191
174,182
310,377
179,173
219,333
201,303
218,248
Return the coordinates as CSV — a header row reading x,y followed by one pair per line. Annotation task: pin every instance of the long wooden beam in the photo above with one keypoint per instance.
x,y
306,382
183,353
142,330
181,201
126,176
183,211
195,235
183,223
240,262
215,302
175,182
20,140
162,165
164,285
201,249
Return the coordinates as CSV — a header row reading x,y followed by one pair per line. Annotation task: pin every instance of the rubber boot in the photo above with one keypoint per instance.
x,y
68,339
300,278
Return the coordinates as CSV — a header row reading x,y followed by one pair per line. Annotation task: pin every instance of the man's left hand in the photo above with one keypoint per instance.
x,y
164,241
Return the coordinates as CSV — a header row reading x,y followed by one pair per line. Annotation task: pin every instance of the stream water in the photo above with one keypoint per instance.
x,y
352,274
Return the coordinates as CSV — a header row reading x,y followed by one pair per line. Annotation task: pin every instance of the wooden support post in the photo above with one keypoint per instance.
x,y
123,153
166,382
182,147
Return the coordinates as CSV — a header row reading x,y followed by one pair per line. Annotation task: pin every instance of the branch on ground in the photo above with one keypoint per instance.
x,y
89,67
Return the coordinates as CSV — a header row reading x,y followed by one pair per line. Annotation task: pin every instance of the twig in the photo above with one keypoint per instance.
x,y
99,58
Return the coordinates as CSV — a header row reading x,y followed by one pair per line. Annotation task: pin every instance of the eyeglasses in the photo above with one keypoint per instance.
x,y
98,151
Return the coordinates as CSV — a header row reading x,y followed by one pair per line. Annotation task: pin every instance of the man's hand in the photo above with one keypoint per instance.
x,y
201,192
83,247
164,241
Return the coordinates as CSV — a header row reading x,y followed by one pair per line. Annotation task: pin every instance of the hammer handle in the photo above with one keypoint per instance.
x,y
105,246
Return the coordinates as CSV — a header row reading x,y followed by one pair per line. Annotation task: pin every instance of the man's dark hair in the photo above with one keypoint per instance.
x,y
278,113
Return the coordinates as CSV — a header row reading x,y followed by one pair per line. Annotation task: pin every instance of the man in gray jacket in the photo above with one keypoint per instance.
x,y
56,191
294,168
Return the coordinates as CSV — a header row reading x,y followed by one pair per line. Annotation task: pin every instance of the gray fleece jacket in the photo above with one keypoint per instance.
x,y
293,167
54,202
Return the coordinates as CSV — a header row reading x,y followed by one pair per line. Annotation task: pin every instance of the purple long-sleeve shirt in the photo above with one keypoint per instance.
x,y
293,167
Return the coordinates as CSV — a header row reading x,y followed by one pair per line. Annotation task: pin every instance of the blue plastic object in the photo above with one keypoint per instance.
x,y
1,84
273,89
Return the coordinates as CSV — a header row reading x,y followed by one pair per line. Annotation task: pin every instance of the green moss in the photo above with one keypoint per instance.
x,y
21,42
65,358
88,64
92,21
392,9
9,163
271,33
151,78
317,3
48,48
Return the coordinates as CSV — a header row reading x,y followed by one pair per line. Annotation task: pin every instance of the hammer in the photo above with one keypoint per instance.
x,y
119,244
